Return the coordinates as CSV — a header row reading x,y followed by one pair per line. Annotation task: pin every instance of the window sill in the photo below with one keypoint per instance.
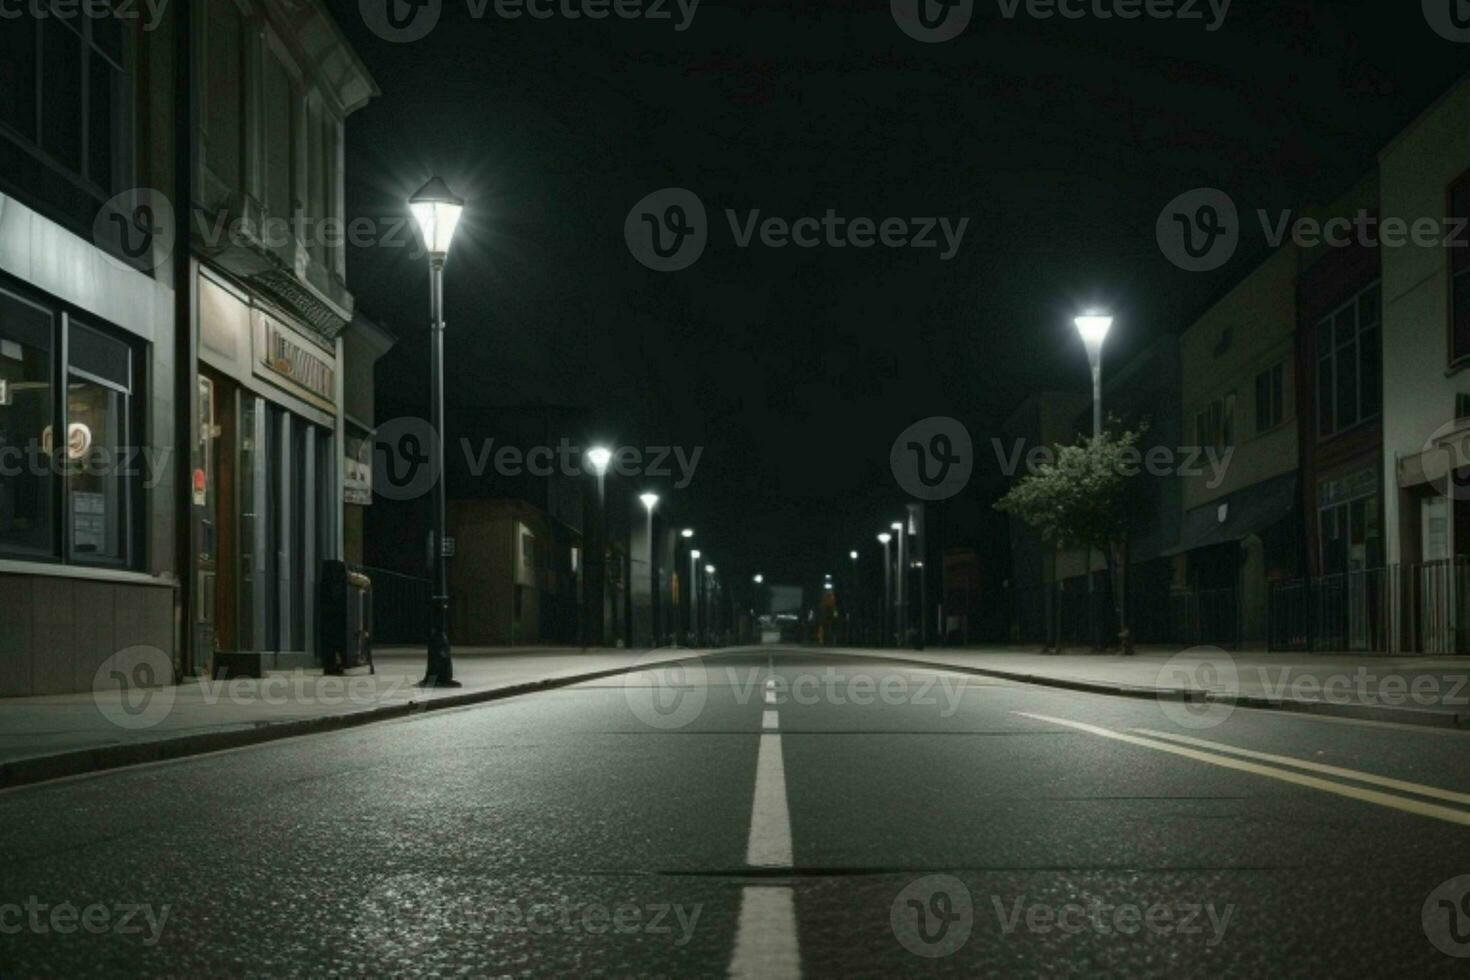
x,y
87,572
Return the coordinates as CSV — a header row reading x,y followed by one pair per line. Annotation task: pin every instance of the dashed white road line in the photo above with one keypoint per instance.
x,y
765,941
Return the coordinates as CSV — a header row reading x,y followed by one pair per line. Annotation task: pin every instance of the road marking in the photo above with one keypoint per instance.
x,y
1363,777
765,940
771,720
1285,775
770,819
770,697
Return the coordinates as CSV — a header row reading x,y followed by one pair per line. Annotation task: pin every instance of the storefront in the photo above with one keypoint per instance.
x,y
267,481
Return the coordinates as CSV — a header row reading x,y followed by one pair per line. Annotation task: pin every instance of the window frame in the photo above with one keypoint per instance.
x,y
76,174
1330,358
1275,392
133,513
1457,266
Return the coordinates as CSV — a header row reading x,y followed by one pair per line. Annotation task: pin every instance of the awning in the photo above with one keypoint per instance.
x,y
1239,515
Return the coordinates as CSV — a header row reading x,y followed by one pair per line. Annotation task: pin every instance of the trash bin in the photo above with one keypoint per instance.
x,y
346,618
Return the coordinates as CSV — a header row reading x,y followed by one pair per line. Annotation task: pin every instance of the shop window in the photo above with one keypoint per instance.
x,y
93,473
27,407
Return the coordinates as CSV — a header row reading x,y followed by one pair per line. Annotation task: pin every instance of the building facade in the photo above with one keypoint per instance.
x,y
275,82
88,467
1425,178
1241,529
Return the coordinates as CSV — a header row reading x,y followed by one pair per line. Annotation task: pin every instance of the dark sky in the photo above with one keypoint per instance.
x,y
795,369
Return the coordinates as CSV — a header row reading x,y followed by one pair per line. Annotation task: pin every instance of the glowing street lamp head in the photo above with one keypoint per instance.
x,y
1094,329
852,554
437,210
694,553
897,525
884,538
758,579
688,532
709,569
598,457
650,500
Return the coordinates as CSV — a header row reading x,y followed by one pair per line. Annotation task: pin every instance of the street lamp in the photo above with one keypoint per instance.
x,y
1094,330
758,579
595,595
694,618
883,539
900,582
437,211
852,604
712,612
679,624
650,501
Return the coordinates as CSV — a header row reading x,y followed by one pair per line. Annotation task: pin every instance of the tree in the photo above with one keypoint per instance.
x,y
1080,499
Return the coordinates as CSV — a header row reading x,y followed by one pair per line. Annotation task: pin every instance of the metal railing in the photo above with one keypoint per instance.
x,y
400,605
1421,607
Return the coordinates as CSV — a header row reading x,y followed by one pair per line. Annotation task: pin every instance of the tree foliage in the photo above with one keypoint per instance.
x,y
1079,499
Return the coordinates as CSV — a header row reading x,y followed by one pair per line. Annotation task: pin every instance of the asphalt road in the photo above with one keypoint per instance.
x,y
763,813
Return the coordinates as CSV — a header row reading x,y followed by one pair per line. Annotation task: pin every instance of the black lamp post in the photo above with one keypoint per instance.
x,y
437,211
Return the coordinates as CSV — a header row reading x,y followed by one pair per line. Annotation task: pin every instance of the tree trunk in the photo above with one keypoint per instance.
x,y
1119,570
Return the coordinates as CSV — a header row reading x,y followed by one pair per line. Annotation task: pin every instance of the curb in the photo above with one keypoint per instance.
x,y
60,765
1418,717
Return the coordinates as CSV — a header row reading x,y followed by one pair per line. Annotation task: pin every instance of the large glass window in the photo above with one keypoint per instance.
x,y
1349,364
91,474
27,406
64,107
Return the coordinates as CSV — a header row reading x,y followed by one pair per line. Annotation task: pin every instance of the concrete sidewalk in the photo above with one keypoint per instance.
x,y
1430,690
61,735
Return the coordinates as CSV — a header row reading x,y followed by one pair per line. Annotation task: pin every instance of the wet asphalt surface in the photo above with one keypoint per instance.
x,y
603,829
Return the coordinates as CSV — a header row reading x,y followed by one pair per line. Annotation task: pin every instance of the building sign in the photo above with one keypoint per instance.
x,y
1344,489
357,482
284,356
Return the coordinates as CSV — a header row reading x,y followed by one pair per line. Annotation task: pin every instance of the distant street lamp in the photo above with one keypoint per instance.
x,y
852,603
695,619
437,211
758,579
712,616
900,583
650,501
679,624
883,539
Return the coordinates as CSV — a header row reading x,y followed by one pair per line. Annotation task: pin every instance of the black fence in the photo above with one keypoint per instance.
x,y
400,606
1412,608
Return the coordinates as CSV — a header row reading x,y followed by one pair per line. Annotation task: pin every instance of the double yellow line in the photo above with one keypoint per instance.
x,y
1246,760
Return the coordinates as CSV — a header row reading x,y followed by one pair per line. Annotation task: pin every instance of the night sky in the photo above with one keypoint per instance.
x,y
796,368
